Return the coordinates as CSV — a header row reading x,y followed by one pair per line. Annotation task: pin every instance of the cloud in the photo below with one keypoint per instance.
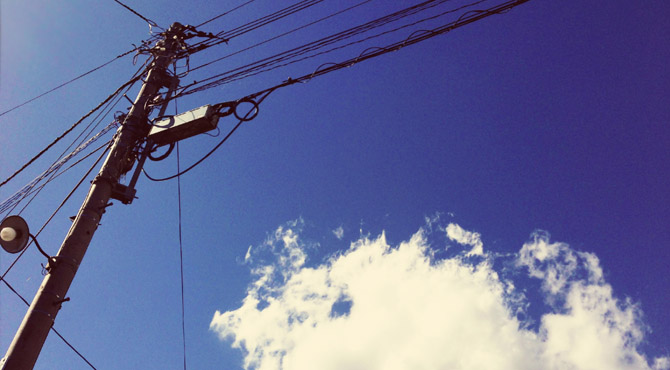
x,y
339,233
461,236
377,306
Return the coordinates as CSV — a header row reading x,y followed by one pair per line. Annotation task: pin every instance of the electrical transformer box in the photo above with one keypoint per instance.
x,y
184,125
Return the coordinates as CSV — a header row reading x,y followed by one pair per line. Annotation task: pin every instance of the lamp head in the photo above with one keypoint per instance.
x,y
14,234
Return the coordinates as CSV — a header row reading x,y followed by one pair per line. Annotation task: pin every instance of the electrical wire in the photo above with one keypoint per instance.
x,y
58,208
181,246
35,236
181,260
56,175
281,35
262,64
253,112
69,82
225,36
61,160
52,328
225,13
198,161
132,81
293,61
268,19
414,38
149,21
14,200
20,194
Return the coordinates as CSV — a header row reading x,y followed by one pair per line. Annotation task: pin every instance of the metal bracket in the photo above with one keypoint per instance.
x,y
123,193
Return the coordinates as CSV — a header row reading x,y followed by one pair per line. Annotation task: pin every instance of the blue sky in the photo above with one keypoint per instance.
x,y
540,133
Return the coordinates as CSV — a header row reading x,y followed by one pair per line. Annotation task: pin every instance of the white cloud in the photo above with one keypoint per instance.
x,y
464,237
339,233
378,307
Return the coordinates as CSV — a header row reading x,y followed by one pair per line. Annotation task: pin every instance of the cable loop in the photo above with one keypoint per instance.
x,y
251,114
162,156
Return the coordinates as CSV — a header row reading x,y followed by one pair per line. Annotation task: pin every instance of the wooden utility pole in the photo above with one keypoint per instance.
x,y
29,339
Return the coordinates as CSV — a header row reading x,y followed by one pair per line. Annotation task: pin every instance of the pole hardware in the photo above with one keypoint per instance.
x,y
14,234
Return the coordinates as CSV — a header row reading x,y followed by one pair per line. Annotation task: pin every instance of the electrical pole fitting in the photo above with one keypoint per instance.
x,y
124,153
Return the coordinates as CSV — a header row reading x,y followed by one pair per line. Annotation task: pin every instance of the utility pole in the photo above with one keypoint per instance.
x,y
29,339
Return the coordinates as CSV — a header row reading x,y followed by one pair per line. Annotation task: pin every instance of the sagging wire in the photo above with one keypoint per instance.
x,y
225,13
16,199
108,145
38,155
70,81
225,36
363,53
265,63
34,237
52,328
281,35
181,246
231,109
56,175
369,53
19,195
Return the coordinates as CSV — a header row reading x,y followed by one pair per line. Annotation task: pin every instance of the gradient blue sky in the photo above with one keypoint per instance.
x,y
551,117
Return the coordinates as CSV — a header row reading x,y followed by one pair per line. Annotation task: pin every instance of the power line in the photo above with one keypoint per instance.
x,y
181,260
56,175
225,36
281,35
59,207
181,247
68,82
270,67
149,21
225,13
53,168
251,114
230,133
52,328
26,191
466,18
263,64
132,81
369,53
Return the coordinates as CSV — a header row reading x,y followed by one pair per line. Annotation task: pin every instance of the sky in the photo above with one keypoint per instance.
x,y
491,198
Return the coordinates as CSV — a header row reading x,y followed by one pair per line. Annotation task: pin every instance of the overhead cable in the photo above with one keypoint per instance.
x,y
99,117
56,175
281,35
237,73
225,13
60,206
130,82
52,328
257,71
53,168
69,82
149,21
415,37
225,36
251,114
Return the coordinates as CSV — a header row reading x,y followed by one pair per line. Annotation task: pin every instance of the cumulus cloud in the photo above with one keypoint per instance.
x,y
377,306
